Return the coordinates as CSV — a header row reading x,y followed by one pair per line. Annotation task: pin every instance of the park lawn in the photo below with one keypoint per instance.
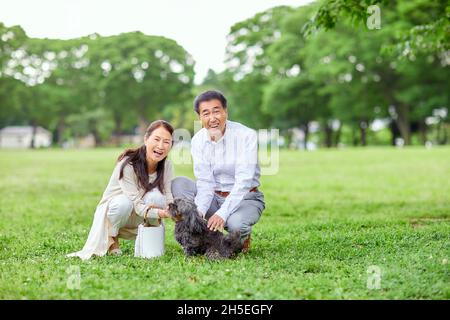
x,y
331,217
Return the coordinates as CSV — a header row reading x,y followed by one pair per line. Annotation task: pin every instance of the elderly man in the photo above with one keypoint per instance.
x,y
225,155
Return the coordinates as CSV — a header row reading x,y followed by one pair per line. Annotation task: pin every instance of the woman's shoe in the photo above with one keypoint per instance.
x,y
114,249
115,252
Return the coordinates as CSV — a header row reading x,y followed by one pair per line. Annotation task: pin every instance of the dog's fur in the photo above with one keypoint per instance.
x,y
192,233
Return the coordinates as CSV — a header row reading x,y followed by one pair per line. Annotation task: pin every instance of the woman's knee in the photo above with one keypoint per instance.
x,y
120,206
155,198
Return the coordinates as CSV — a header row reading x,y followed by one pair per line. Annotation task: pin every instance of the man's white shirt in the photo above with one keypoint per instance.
x,y
229,164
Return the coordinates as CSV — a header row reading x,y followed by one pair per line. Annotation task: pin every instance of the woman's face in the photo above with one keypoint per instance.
x,y
158,144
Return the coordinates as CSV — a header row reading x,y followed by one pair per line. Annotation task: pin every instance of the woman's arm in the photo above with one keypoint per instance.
x,y
130,187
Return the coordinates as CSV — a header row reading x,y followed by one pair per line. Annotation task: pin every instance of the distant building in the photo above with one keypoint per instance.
x,y
130,139
85,142
20,137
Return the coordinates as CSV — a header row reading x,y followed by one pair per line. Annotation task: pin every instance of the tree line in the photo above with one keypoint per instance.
x,y
100,85
286,68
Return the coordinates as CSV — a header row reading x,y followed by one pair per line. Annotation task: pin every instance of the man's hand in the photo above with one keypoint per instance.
x,y
215,223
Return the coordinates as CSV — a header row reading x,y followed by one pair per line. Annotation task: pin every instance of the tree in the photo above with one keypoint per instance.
x,y
404,76
128,78
293,96
423,26
11,88
248,68
143,74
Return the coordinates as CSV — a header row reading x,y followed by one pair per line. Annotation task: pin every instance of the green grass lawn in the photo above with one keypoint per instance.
x,y
330,216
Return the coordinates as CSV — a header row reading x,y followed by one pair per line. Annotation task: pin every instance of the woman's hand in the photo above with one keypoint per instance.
x,y
163,213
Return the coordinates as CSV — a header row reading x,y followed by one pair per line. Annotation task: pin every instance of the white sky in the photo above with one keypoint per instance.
x,y
200,26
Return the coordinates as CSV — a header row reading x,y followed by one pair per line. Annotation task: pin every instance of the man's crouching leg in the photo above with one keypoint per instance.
x,y
183,187
242,220
235,223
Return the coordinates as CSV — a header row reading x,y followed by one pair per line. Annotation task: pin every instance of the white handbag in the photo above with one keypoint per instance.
x,y
150,240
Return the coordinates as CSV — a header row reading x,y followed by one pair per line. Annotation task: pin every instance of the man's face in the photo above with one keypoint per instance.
x,y
213,117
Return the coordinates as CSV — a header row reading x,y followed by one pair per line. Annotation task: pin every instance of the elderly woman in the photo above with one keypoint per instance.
x,y
139,188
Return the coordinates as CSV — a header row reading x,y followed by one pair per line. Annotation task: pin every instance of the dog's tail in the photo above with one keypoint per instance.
x,y
233,241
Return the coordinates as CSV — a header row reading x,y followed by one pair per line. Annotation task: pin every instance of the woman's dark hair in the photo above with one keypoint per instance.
x,y
138,159
208,96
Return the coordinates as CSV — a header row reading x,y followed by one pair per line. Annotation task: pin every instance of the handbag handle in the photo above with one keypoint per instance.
x,y
146,212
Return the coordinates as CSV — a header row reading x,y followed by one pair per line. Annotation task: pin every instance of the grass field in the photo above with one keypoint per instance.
x,y
330,217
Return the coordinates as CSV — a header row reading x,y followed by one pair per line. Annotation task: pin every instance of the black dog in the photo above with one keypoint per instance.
x,y
192,233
